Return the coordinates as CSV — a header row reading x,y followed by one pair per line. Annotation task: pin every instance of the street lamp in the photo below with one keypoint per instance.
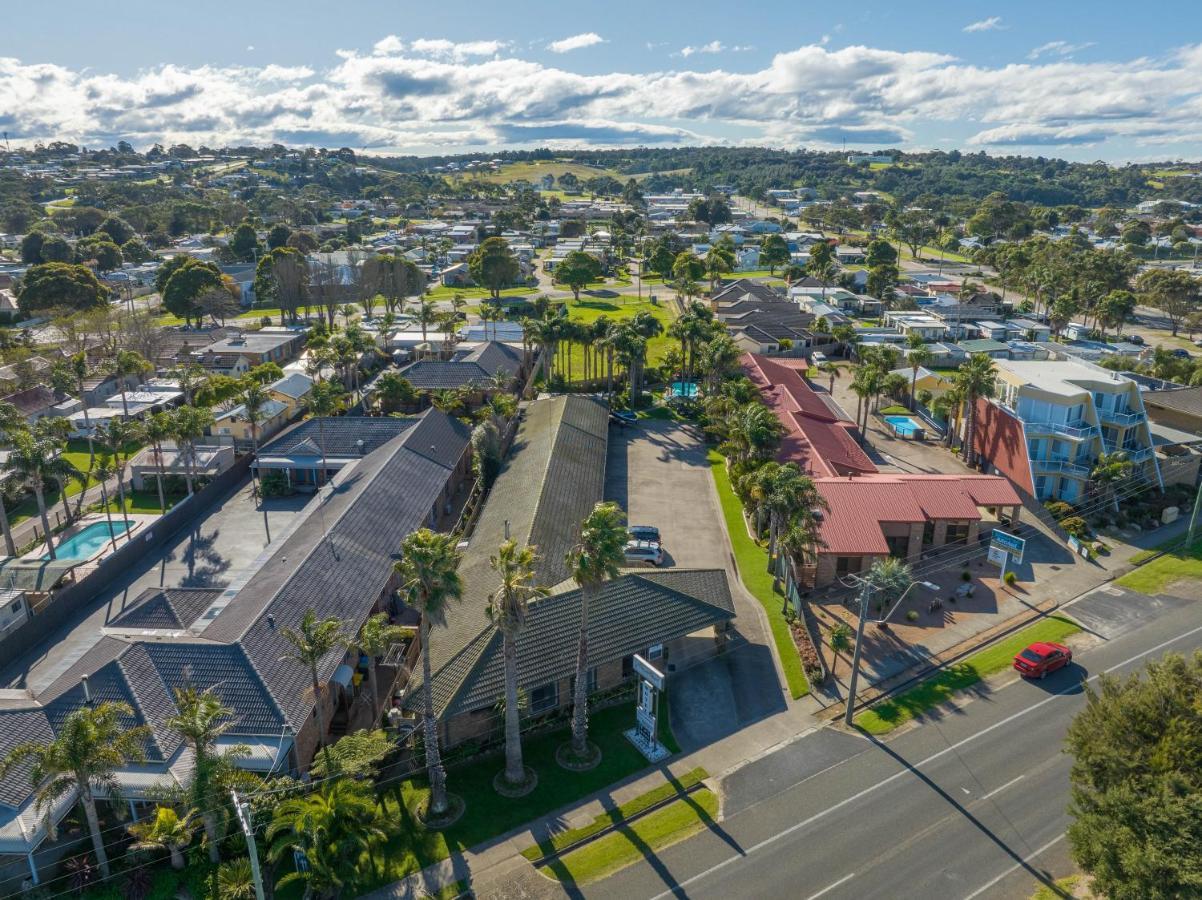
x,y
866,589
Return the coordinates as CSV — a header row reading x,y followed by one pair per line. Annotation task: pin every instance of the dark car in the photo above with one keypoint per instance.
x,y
1135,339
1041,658
624,417
1180,353
643,533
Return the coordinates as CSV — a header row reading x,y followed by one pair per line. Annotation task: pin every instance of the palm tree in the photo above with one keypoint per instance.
x,y
33,460
831,370
236,880
593,561
430,579
792,496
1111,469
165,831
201,718
115,437
124,364
918,357
311,643
507,609
753,433
74,370
254,398
325,399
190,424
191,378
977,378
376,636
104,469
11,422
156,429
334,827
427,314
91,745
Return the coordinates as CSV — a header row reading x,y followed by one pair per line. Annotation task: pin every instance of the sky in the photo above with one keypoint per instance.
x,y
1068,79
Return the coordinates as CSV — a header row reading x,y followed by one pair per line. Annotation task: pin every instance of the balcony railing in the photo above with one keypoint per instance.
x,y
1125,419
1079,431
1058,466
1134,453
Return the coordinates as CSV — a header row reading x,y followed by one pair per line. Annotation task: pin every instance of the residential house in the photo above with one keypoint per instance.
x,y
252,347
233,423
1052,419
207,462
993,349
1179,408
292,390
36,402
476,368
760,319
553,479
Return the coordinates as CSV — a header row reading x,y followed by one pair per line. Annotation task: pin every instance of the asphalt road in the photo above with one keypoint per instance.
x,y
971,805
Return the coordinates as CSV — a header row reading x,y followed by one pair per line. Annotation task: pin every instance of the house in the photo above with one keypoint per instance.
x,y
992,349
957,314
336,560
208,462
35,402
818,436
850,256
233,423
1052,419
243,276
924,379
293,390
255,347
759,319
1179,408
478,368
916,323
456,275
553,479
1030,330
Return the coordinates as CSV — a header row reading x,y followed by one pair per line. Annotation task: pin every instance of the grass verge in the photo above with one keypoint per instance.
x,y
1176,565
615,816
752,561
886,716
636,841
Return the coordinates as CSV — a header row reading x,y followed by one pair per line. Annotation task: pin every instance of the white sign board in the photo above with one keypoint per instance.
x,y
645,670
997,555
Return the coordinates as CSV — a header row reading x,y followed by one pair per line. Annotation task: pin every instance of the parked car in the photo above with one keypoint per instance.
x,y
1041,658
624,417
1134,339
643,533
644,552
1180,353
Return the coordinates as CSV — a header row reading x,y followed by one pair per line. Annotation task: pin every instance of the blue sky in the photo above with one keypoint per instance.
x,y
431,77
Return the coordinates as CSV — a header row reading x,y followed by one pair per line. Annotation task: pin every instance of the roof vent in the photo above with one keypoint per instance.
x,y
87,690
270,620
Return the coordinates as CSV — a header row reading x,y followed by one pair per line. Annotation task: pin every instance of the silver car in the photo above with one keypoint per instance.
x,y
645,553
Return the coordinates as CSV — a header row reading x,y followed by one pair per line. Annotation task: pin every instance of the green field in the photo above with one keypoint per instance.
x,y
752,561
884,717
617,310
1183,564
534,170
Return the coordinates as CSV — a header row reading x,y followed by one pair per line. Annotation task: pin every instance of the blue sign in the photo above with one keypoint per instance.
x,y
1008,542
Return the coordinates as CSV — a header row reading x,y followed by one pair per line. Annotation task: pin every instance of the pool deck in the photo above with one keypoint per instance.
x,y
136,522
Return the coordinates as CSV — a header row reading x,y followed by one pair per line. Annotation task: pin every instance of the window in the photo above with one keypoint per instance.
x,y
957,532
656,651
544,698
591,684
16,607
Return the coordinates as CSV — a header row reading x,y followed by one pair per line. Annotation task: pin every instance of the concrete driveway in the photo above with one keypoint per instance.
x,y
658,472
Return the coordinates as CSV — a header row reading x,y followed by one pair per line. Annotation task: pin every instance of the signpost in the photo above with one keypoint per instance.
x,y
645,734
1003,547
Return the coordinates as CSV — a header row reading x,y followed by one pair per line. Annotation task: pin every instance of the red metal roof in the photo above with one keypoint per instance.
x,y
998,438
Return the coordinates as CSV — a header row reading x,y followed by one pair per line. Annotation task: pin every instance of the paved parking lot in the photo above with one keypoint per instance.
x,y
658,472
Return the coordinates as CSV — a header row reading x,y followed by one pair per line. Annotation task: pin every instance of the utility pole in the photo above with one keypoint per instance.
x,y
866,589
1193,519
243,813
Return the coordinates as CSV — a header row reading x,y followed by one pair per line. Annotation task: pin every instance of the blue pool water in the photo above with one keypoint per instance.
x,y
684,389
904,425
86,543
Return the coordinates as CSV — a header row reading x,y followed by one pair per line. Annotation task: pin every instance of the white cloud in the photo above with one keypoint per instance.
x,y
993,23
1058,48
433,93
714,47
250,47
576,42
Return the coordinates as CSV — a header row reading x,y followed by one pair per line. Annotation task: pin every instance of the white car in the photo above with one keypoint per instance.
x,y
644,552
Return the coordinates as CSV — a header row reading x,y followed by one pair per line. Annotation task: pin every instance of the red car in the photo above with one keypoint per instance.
x,y
1041,658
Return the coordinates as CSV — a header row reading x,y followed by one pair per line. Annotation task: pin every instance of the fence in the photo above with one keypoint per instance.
x,y
65,601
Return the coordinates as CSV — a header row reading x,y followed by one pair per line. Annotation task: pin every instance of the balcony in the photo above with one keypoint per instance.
x,y
1135,452
1122,419
1078,431
1059,467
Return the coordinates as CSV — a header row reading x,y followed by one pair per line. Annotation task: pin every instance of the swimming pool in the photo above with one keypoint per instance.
x,y
684,389
905,426
87,543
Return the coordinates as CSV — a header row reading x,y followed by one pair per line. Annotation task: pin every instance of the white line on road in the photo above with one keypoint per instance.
x,y
830,887
998,790
792,829
1030,856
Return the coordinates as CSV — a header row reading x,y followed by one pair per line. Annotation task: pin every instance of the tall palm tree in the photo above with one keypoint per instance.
x,y
34,459
115,437
918,357
254,398
430,579
124,364
201,718
11,422
73,371
325,399
166,830
157,428
375,636
191,378
507,609
334,826
104,469
753,433
190,424
311,643
593,561
91,745
977,379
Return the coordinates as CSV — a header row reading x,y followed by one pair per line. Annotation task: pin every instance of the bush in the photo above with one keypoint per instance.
x,y
966,575
274,483
1058,509
1011,579
912,616
840,639
1075,526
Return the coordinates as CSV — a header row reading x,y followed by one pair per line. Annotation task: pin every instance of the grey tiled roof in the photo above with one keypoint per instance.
x,y
170,609
341,434
630,613
779,318
553,479
473,367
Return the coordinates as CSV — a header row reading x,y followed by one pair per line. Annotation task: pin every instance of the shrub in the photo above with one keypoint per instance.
x,y
1058,509
966,575
912,616
1011,579
840,639
1076,526
274,483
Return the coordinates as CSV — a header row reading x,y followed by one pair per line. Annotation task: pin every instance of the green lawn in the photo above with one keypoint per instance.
x,y
475,293
488,814
1182,564
637,841
77,454
616,815
886,716
617,310
146,502
752,560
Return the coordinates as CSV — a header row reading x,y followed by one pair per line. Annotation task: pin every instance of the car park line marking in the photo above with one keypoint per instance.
x,y
830,887
998,790
951,748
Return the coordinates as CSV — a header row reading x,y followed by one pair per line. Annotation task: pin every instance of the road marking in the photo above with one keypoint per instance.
x,y
1030,856
830,887
998,790
952,748
966,790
